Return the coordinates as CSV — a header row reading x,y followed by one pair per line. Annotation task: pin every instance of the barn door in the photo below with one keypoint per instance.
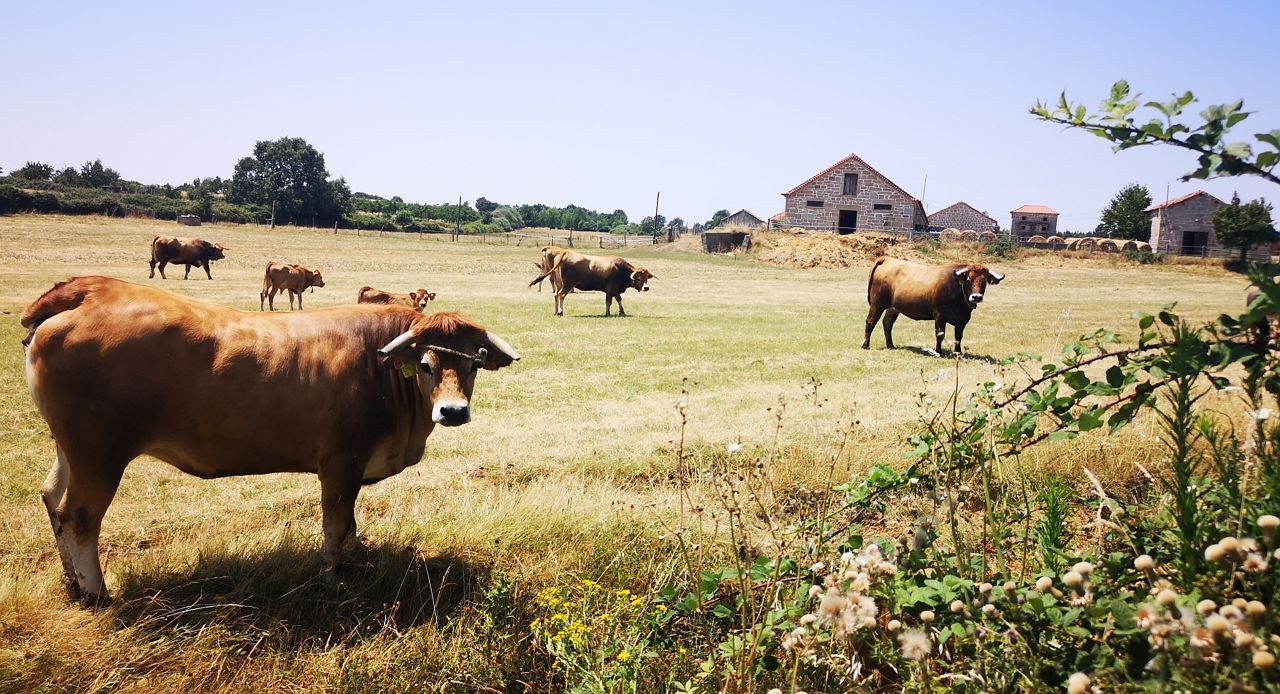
x,y
848,222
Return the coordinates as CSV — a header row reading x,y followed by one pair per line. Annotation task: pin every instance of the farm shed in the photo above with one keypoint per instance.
x,y
742,218
851,196
189,220
1030,220
725,241
962,215
1181,226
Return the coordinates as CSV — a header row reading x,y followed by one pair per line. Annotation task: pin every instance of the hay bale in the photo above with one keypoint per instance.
x,y
1037,239
988,236
949,235
1083,244
969,235
1109,246
1144,247
1128,245
1055,240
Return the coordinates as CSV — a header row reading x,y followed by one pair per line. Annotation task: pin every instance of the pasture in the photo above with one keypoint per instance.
x,y
567,469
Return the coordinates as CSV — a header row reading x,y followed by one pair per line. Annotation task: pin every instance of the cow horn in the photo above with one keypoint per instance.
x,y
502,346
395,345
997,276
961,272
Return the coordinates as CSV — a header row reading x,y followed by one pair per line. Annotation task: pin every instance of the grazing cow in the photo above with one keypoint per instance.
x,y
180,251
589,273
292,277
941,293
349,393
549,255
414,300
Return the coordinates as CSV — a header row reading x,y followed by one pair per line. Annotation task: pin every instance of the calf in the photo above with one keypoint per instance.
x,y
290,277
416,300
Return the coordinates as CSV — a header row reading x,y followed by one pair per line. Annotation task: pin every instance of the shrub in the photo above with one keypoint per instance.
x,y
1143,257
14,199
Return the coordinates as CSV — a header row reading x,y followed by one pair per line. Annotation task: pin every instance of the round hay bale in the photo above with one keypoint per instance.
x,y
1109,246
1084,244
1144,247
968,235
1055,239
1129,245
949,234
1037,239
988,236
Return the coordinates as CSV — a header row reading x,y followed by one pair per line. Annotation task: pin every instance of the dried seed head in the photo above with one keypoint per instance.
x,y
1229,544
1167,597
1268,522
927,616
1010,586
1144,562
1078,683
1072,578
1255,609
1215,552
1217,624
1043,584
957,606
985,588
1263,660
893,626
1083,568
1206,606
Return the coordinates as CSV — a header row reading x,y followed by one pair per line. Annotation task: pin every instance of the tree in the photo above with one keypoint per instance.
x,y
290,173
67,177
1114,121
506,217
94,175
485,206
1243,226
678,226
1126,216
715,220
34,171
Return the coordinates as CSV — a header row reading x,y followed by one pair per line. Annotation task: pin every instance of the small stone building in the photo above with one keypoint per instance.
x,y
963,216
1033,220
1182,226
742,218
851,196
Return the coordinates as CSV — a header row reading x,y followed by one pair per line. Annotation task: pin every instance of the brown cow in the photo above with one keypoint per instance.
x,y
588,273
941,293
549,255
415,300
292,277
349,393
180,251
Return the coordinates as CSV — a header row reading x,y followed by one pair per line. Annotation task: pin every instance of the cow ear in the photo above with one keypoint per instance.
x,y
994,277
431,296
498,353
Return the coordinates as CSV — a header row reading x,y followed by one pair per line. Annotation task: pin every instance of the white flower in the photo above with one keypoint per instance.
x,y
1260,414
815,591
1078,683
1254,563
734,447
817,567
808,619
915,644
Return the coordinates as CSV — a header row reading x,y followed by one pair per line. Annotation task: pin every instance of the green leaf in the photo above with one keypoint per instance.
x,y
1239,150
1115,376
1089,419
1272,138
1062,436
1076,379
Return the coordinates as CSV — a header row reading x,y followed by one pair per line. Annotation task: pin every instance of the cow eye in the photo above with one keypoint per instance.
x,y
425,366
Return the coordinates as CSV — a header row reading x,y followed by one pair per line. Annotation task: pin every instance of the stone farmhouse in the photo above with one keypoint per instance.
x,y
963,216
1033,220
1181,226
851,196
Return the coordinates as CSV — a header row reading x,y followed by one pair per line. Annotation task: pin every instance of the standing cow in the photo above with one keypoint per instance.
x,y
289,277
549,255
416,300
940,293
349,393
589,273
180,251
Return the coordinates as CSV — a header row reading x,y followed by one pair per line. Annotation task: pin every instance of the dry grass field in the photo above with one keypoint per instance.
x,y
565,469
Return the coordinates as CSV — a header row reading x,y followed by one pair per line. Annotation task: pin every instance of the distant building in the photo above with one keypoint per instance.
x,y
1181,226
742,218
851,196
963,216
1033,220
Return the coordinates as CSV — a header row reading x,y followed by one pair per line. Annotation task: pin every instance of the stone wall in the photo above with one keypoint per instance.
x,y
903,214
962,217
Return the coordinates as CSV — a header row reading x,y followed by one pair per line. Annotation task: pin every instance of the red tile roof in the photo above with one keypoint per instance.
x,y
1035,209
1179,200
778,216
964,204
856,158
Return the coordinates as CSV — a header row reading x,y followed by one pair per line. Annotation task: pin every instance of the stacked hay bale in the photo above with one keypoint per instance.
x,y
969,235
987,236
949,235
1037,239
1109,246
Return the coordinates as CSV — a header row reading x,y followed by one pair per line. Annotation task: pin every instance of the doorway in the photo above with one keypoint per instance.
x,y
848,222
1194,242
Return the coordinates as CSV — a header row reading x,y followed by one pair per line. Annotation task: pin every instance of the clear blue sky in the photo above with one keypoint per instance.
x,y
718,105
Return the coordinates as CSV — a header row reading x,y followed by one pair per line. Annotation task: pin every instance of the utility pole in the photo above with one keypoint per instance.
x,y
457,220
655,217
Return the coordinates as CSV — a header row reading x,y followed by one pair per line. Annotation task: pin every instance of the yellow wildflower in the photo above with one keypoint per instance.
x,y
661,609
624,657
588,583
624,593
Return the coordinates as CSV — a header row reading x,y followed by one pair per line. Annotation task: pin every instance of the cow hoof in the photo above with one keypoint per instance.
x,y
866,345
90,601
72,587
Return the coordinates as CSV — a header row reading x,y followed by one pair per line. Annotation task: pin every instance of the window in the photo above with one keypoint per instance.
x,y
882,206
813,203
850,184
1024,226
1024,218
1044,219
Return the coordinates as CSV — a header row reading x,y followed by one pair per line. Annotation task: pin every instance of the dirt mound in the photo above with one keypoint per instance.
x,y
810,250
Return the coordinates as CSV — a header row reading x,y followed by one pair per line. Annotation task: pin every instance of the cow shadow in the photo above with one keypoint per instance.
x,y
967,356
278,596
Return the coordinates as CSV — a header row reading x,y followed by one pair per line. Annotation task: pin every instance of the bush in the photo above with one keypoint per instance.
x,y
239,214
1143,257
14,199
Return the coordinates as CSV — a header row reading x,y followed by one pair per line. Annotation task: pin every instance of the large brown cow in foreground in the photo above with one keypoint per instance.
x,y
349,393
940,293
180,251
416,300
589,273
289,277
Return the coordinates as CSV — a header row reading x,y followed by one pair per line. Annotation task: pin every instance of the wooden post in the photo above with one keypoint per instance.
x,y
457,220
655,217
273,213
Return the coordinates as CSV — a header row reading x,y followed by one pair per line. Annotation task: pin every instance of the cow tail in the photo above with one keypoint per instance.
x,y
555,264
266,278
871,279
64,296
